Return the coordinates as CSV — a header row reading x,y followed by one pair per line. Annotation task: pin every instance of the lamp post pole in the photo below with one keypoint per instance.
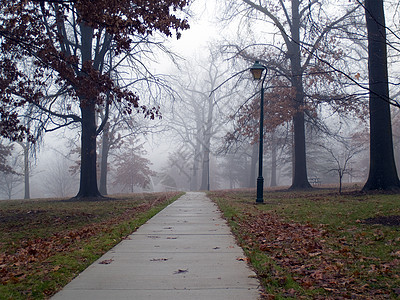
x,y
257,70
260,178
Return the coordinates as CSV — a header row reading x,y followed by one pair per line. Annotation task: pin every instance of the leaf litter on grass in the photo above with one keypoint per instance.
x,y
22,257
310,259
312,262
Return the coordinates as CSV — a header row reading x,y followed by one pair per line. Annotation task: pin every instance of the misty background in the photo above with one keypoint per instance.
x,y
205,138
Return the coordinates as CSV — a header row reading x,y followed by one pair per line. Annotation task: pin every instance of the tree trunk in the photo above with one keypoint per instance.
x,y
88,181
26,170
382,172
205,178
300,180
273,161
194,180
206,168
253,166
25,148
104,160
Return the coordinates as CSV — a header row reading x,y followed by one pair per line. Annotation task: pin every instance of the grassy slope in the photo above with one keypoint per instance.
x,y
46,243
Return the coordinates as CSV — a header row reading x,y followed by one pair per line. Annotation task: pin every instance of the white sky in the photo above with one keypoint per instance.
x,y
203,29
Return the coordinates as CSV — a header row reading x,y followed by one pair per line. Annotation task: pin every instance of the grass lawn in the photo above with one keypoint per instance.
x,y
318,244
46,243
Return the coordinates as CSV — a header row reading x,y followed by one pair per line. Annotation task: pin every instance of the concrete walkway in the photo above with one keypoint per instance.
x,y
184,252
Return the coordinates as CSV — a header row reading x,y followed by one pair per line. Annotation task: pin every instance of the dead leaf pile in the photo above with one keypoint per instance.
x,y
308,254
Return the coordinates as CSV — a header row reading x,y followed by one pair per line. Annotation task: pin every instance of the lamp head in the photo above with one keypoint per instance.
x,y
257,70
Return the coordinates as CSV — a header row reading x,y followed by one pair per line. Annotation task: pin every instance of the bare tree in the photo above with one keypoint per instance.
x,y
198,116
10,165
58,180
342,156
300,32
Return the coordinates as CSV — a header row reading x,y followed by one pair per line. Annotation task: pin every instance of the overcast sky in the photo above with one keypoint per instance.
x,y
203,29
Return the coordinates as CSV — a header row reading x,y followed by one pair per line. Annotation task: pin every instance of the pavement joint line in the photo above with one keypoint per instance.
x,y
178,234
177,289
180,252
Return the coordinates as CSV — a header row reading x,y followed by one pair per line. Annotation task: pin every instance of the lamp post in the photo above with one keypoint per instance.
x,y
257,71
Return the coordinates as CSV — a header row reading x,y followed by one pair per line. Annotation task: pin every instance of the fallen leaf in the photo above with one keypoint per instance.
x,y
56,268
153,237
242,259
396,253
106,261
180,271
314,254
159,259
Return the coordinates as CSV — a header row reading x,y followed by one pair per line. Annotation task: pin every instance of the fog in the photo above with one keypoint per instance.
x,y
207,136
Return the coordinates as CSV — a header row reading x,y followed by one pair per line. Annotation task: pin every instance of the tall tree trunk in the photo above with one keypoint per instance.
x,y
253,166
206,166
88,181
273,161
382,172
25,148
205,178
300,180
105,147
26,171
194,180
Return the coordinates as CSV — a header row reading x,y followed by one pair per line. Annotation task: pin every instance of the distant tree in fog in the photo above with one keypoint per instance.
x,y
10,178
120,129
199,114
342,153
58,181
131,169
179,167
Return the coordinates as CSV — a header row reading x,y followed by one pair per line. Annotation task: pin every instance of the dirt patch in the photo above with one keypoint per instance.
x,y
384,220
